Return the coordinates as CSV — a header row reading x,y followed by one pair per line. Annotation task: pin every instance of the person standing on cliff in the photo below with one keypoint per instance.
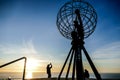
x,y
49,66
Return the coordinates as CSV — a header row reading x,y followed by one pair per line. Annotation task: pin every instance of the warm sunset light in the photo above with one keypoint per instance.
x,y
29,75
31,64
34,29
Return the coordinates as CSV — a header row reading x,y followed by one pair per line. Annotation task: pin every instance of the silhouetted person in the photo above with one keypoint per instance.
x,y
49,66
86,74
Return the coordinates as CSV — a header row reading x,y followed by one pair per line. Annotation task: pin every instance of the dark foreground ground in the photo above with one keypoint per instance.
x,y
63,79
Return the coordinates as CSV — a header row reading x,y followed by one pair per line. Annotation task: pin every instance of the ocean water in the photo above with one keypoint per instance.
x,y
18,75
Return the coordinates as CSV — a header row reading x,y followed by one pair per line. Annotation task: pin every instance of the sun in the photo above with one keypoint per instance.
x,y
29,75
32,64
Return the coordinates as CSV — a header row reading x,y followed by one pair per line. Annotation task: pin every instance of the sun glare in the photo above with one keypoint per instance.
x,y
29,75
31,64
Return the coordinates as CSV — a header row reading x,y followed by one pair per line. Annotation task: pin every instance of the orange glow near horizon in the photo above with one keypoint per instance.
x,y
36,65
29,75
32,64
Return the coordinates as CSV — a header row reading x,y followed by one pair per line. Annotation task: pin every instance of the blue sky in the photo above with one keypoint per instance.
x,y
28,28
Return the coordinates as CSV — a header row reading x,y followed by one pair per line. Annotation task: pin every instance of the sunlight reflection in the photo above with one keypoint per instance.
x,y
29,75
31,67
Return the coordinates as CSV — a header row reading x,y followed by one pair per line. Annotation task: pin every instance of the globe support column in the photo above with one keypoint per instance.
x,y
78,57
79,64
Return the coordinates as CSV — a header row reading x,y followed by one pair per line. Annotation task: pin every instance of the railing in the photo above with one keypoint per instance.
x,y
24,69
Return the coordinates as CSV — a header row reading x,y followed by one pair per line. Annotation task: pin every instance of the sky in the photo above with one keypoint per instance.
x,y
28,28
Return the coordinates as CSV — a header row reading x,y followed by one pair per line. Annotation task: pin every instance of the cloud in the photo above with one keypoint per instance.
x,y
108,57
27,47
109,51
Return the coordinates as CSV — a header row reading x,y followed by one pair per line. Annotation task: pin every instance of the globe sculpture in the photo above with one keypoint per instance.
x,y
76,20
66,17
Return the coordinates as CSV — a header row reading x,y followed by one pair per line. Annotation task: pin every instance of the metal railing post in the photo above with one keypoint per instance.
x,y
24,70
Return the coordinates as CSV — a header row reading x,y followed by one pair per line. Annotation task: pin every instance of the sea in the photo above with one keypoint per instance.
x,y
18,75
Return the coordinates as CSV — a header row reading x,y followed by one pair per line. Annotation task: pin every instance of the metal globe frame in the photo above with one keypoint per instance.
x,y
77,20
66,17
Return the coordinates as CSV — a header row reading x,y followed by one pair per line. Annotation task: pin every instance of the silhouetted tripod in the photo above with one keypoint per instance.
x,y
75,53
